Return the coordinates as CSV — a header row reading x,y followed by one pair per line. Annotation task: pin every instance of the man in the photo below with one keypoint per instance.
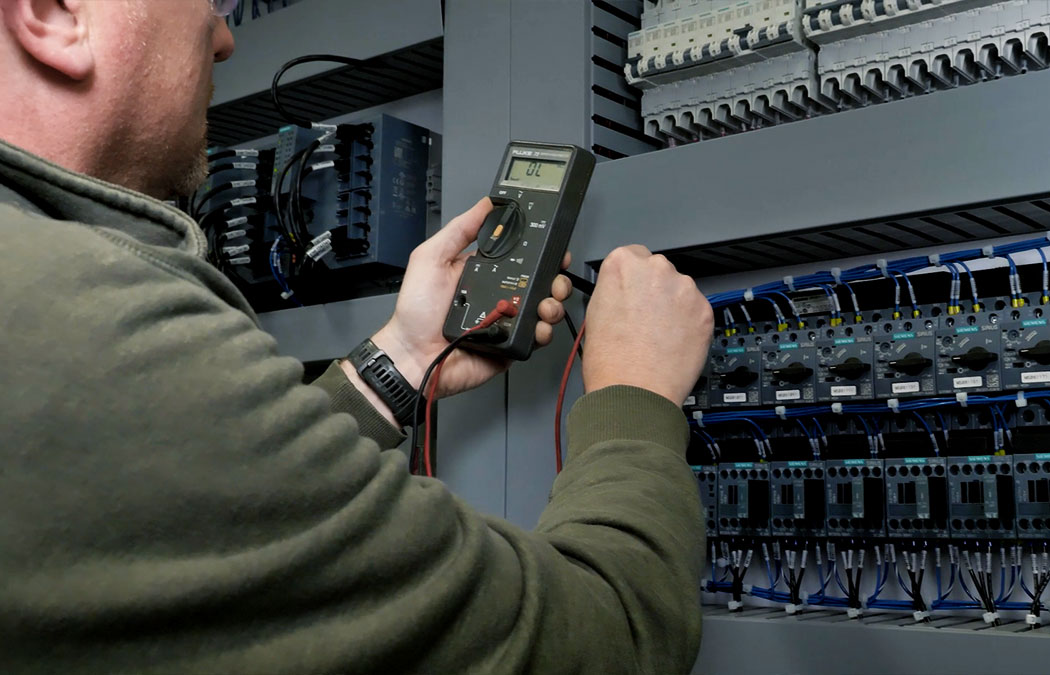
x,y
173,500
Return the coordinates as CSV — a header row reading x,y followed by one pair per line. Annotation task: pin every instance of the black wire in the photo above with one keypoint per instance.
x,y
580,284
413,457
575,334
277,189
298,217
310,58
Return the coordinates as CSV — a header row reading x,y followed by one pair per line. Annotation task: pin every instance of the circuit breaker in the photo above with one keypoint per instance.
x,y
789,371
905,359
1026,353
736,373
968,358
845,365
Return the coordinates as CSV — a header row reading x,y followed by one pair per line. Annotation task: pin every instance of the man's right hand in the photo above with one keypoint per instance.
x,y
647,326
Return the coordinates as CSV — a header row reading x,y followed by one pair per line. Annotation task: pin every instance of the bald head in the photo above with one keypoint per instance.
x,y
117,89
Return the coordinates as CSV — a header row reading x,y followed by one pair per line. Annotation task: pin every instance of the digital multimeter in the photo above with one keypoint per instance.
x,y
537,196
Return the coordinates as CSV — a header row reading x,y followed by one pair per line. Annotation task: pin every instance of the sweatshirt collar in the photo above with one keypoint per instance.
x,y
38,186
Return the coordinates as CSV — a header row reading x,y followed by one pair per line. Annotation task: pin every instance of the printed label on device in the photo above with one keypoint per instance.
x,y
967,382
844,391
734,397
789,395
1033,377
905,387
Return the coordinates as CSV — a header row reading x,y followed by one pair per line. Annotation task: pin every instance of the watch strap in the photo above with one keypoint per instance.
x,y
379,372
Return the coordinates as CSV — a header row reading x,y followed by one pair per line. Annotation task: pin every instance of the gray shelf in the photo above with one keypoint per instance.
x,y
766,640
986,144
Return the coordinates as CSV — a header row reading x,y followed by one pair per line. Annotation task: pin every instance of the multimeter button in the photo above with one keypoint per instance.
x,y
500,232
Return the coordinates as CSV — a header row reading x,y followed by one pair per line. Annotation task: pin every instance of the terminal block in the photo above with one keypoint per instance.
x,y
707,480
916,498
743,499
789,372
797,506
981,497
905,361
856,498
736,374
1032,495
845,366
1026,354
968,359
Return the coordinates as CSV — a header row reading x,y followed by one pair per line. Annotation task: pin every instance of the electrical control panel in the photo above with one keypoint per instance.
x,y
709,68
322,214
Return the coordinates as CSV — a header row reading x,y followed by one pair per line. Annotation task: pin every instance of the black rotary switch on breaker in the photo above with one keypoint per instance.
x,y
977,358
794,372
1040,353
536,197
851,369
912,364
740,377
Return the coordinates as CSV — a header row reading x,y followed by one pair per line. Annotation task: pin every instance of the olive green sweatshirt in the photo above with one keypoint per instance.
x,y
173,500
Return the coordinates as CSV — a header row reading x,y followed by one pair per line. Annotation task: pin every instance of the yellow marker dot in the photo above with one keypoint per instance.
x,y
497,232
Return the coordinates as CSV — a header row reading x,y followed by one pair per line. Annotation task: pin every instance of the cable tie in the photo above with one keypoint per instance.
x,y
990,617
747,588
894,404
881,264
287,295
836,274
854,613
920,616
781,412
735,606
749,295
962,397
935,259
988,251
698,416
789,281
1032,620
836,408
792,609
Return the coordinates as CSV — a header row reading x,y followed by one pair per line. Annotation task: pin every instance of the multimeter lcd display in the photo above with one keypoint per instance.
x,y
537,174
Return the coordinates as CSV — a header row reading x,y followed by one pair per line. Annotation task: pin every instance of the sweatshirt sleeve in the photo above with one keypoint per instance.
x,y
174,500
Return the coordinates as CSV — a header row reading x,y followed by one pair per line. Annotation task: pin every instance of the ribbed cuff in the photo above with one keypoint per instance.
x,y
627,414
346,398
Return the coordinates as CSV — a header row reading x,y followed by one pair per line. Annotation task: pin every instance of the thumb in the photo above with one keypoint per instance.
x,y
460,232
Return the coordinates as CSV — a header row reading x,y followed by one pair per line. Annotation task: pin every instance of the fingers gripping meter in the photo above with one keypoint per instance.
x,y
537,196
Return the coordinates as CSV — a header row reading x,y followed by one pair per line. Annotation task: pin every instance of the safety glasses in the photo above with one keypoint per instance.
x,y
223,7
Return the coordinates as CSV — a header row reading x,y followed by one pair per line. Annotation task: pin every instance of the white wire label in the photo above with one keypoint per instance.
x,y
734,397
967,382
242,184
789,395
844,391
245,201
1033,377
905,387
247,166
690,401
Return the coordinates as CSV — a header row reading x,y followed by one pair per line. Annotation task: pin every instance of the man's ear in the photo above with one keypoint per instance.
x,y
54,32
